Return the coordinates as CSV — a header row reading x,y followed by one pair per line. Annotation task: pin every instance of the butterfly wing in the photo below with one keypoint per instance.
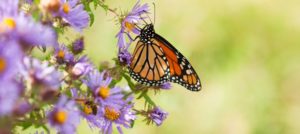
x,y
149,64
181,71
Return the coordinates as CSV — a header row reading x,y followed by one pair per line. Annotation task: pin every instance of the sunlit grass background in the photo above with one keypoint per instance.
x,y
246,52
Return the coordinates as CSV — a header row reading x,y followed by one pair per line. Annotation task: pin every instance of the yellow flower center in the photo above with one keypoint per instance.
x,y
2,64
87,109
61,54
111,114
9,23
129,26
103,92
66,8
60,117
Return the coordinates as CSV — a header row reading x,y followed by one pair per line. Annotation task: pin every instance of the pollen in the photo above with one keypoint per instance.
x,y
103,92
2,64
9,23
60,117
61,54
66,8
87,109
111,114
129,26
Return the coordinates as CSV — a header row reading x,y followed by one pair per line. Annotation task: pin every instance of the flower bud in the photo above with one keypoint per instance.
x,y
78,46
78,69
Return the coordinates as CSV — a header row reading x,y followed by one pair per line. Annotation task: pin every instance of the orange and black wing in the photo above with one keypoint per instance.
x,y
149,64
181,71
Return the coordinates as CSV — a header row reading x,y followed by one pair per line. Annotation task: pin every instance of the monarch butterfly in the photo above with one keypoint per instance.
x,y
155,61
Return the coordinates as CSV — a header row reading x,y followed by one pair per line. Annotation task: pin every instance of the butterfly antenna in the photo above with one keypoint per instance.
x,y
154,16
143,18
149,17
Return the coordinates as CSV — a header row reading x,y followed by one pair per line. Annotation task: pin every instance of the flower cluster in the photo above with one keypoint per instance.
x,y
63,87
128,29
68,12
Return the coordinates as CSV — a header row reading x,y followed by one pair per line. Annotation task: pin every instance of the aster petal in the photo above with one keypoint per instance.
x,y
121,40
137,9
9,93
32,33
119,129
74,92
9,7
62,100
78,18
115,90
10,55
72,3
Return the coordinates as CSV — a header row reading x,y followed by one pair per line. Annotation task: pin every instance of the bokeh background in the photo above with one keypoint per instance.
x,y
246,53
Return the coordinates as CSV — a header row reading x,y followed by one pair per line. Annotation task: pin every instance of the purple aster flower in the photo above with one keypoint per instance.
x,y
89,109
10,58
100,88
157,115
120,117
22,28
124,57
9,94
64,116
128,24
73,14
82,67
89,113
63,55
40,73
78,46
166,86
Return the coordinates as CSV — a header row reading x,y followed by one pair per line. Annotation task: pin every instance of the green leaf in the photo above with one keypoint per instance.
x,y
114,82
36,15
127,94
149,100
129,82
96,3
46,128
87,8
25,125
59,30
92,18
105,7
142,94
132,124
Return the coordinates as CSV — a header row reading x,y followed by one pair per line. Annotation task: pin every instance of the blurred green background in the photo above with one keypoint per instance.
x,y
246,53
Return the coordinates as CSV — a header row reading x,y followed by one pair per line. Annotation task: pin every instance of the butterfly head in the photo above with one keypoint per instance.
x,y
147,33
